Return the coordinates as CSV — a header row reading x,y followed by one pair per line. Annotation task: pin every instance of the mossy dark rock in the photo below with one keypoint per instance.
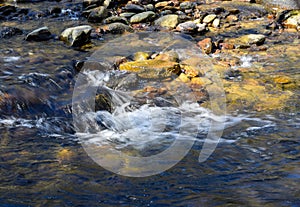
x,y
40,34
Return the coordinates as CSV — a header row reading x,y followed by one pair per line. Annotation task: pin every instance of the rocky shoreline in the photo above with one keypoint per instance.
x,y
229,32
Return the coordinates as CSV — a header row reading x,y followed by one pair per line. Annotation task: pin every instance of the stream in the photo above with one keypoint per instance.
x,y
50,131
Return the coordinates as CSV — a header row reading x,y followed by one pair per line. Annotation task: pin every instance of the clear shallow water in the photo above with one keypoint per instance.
x,y
42,163
261,167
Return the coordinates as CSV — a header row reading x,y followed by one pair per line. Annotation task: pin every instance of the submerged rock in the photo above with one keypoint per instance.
x,y
152,68
248,40
6,32
139,56
76,36
40,34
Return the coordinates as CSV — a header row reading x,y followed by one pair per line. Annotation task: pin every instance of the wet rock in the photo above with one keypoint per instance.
x,y
142,17
201,81
251,94
97,14
127,14
293,21
187,5
169,21
6,10
114,19
190,71
232,18
115,28
76,36
134,8
191,27
244,10
138,56
40,34
89,3
209,18
162,4
226,46
216,23
149,7
282,80
206,45
152,68
168,56
103,102
248,40
54,10
6,32
285,4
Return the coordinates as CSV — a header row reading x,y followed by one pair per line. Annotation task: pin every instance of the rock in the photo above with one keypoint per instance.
x,y
6,32
209,18
187,5
293,21
40,34
247,40
103,102
149,7
169,21
190,27
184,78
282,80
127,14
152,68
284,4
168,56
206,45
115,28
114,19
138,56
190,71
244,10
201,81
142,17
6,10
77,36
97,14
226,46
216,23
88,3
134,8
161,4
232,18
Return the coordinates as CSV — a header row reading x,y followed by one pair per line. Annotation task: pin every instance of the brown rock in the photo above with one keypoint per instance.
x,y
152,68
206,45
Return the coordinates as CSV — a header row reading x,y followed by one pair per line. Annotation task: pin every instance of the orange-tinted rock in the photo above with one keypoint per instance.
x,y
206,45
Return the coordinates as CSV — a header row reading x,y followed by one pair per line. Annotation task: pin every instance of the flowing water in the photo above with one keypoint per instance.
x,y
44,161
